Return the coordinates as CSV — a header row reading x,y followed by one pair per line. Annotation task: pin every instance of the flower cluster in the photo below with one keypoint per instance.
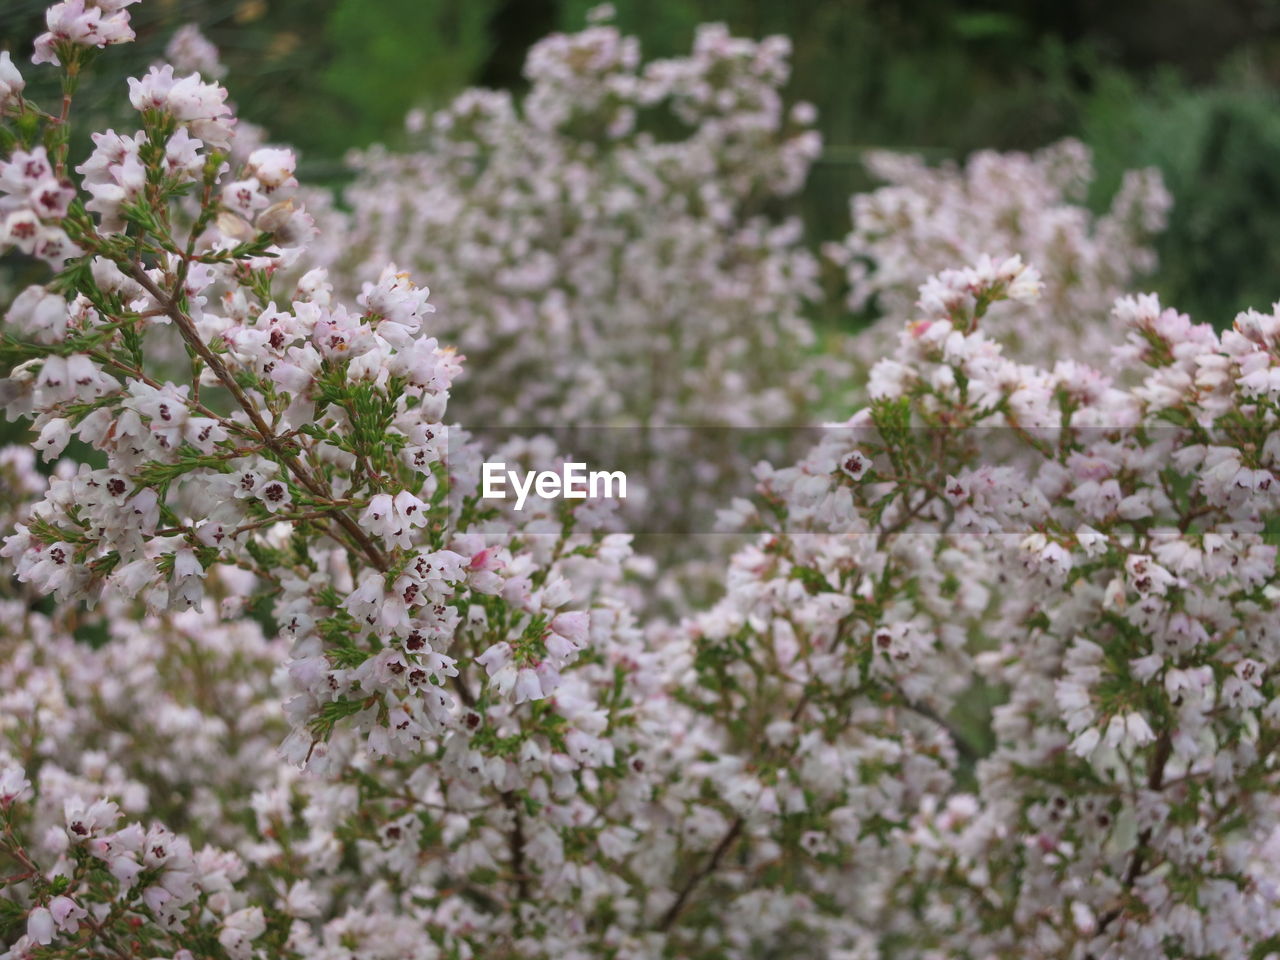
x,y
605,249
928,219
269,451
76,25
125,731
1102,556
34,202
591,269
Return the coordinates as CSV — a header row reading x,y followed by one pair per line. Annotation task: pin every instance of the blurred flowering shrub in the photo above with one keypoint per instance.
x,y
271,685
927,219
605,249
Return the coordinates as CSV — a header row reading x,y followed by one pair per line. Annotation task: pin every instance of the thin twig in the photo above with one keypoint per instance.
x,y
1155,781
186,326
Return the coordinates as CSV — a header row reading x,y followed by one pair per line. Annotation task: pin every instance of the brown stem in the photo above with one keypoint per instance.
x,y
16,849
517,841
142,377
726,843
673,913
60,158
186,326
1155,781
286,518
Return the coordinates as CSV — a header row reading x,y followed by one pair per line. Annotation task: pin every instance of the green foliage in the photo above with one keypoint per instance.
x,y
1219,150
393,55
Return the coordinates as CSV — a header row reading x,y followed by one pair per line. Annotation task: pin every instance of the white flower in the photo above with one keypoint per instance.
x,y
495,657
54,437
572,625
301,900
272,167
86,23
189,99
11,82
1025,285
189,49
14,785
39,313
528,686
1138,730
240,929
275,495
394,518
66,913
1085,744
40,926
854,465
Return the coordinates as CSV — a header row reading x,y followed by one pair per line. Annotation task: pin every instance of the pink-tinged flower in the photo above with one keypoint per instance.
x,y
527,686
40,925
272,167
854,465
495,657
189,100
66,913
239,930
11,82
85,23
14,786
573,625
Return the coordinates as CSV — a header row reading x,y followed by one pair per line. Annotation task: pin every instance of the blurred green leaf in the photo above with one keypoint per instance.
x,y
987,24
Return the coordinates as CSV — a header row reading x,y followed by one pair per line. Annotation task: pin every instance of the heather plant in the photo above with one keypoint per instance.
x,y
275,681
1104,555
280,435
931,218
605,248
